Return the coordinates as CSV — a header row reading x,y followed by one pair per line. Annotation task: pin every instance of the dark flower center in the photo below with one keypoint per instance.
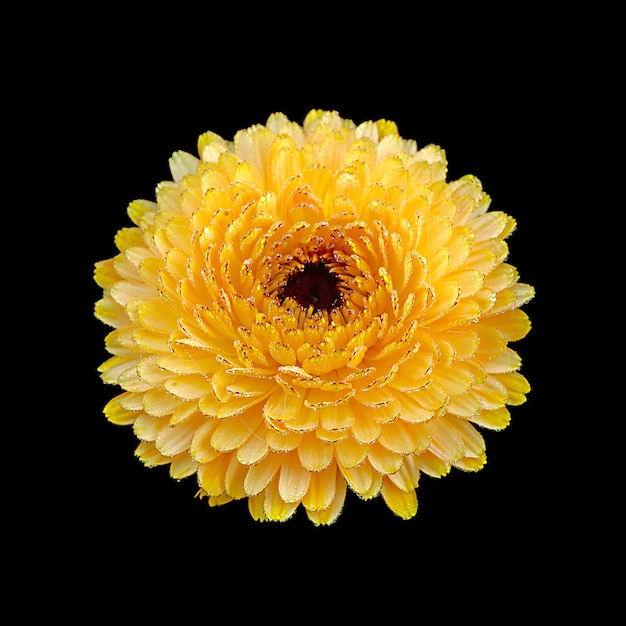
x,y
315,285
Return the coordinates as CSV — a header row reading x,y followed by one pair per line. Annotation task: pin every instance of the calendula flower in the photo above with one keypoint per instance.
x,y
311,308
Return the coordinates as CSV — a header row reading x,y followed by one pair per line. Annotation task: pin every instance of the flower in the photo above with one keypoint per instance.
x,y
311,308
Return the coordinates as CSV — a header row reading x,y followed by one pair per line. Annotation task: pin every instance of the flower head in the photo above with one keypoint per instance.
x,y
311,308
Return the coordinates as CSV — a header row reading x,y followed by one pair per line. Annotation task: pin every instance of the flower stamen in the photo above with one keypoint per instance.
x,y
315,285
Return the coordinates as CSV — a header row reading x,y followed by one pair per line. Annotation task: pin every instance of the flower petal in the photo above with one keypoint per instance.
x,y
349,452
383,460
407,477
404,438
201,449
360,478
494,419
183,466
233,432
116,414
321,490
147,453
314,455
402,503
189,387
260,474
332,511
172,440
365,429
147,427
293,481
182,163
275,508
212,475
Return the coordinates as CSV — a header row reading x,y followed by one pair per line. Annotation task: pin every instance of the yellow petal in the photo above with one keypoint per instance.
x,y
508,361
254,449
314,455
284,162
404,438
515,296
260,474
182,466
383,460
189,387
473,442
282,440
182,163
147,427
201,449
255,506
402,503
122,371
212,475
183,412
209,405
330,513
432,397
471,463
489,225
386,412
516,385
407,477
501,277
336,416
365,429
433,465
467,192
468,280
491,393
234,431
173,440
492,342
149,455
349,452
124,292
142,212
116,414
412,412
275,508
149,371
254,145
321,491
455,379
151,341
494,419
464,405
360,479
234,478
446,442
157,316
105,274
513,324
293,480
282,406
159,402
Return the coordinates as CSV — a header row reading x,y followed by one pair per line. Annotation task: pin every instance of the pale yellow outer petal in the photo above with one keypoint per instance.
x,y
402,503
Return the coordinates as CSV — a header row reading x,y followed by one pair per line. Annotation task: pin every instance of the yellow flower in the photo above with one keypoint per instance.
x,y
311,308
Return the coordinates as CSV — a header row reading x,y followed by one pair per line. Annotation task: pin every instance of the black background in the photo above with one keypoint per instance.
x,y
122,100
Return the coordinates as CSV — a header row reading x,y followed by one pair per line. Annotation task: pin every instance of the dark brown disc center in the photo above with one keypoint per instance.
x,y
313,286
